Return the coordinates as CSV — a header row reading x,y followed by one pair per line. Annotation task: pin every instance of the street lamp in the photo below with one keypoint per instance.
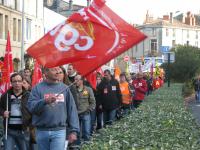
x,y
88,2
22,42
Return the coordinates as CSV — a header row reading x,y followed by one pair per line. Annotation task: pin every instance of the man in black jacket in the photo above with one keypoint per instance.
x,y
18,115
110,96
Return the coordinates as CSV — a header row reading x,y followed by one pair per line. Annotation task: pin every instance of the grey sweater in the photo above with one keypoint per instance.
x,y
54,116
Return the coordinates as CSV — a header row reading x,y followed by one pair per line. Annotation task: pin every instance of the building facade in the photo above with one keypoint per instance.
x,y
11,20
167,32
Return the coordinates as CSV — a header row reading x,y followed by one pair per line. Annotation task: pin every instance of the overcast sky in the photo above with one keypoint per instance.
x,y
134,11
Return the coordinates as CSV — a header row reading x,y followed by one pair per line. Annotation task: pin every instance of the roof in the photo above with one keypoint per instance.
x,y
175,23
64,8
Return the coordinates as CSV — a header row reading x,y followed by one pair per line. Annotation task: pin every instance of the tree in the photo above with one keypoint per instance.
x,y
186,65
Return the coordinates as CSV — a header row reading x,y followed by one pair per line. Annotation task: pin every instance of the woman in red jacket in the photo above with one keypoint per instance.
x,y
140,87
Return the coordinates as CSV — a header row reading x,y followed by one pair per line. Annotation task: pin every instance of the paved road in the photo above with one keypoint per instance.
x,y
195,109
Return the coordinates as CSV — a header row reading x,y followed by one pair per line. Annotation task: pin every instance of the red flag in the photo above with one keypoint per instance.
x,y
118,35
37,74
117,72
92,36
7,67
92,79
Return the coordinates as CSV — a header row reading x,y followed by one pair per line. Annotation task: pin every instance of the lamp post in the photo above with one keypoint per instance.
x,y
88,2
70,5
22,42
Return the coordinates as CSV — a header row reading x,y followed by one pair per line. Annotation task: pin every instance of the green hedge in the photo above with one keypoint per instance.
x,y
161,123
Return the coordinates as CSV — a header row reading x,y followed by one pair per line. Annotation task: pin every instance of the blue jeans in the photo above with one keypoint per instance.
x,y
99,120
85,126
93,120
109,116
50,140
198,96
17,138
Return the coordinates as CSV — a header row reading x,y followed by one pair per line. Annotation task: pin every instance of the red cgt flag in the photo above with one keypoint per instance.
x,y
117,36
90,38
37,74
7,68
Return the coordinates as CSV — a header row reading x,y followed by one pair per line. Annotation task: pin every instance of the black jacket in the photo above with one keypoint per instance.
x,y
26,115
109,93
196,84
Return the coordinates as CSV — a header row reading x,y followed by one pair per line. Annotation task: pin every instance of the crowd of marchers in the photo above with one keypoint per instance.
x,y
64,110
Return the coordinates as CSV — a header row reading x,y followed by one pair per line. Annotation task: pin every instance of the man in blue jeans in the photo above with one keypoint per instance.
x,y
85,104
53,108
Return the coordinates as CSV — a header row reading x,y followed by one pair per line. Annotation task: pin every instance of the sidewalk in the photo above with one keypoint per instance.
x,y
195,109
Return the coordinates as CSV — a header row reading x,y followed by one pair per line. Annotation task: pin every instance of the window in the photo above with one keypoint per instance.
x,y
1,1
187,43
153,31
1,27
188,35
174,32
6,26
154,44
36,32
14,29
28,29
196,43
13,4
19,30
167,32
173,43
197,35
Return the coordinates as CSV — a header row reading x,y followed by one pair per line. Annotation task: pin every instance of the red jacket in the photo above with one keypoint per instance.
x,y
140,87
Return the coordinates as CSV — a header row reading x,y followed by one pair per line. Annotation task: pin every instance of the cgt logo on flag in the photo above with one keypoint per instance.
x,y
90,38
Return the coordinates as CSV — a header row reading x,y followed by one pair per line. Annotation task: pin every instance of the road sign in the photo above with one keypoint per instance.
x,y
126,58
172,57
164,49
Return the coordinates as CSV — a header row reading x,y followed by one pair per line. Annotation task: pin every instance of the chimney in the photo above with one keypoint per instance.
x,y
183,19
166,17
193,21
188,19
147,17
171,17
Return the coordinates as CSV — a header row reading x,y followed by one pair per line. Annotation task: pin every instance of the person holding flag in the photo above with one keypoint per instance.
x,y
19,118
53,108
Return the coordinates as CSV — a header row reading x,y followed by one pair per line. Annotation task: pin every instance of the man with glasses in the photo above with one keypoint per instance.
x,y
18,115
53,109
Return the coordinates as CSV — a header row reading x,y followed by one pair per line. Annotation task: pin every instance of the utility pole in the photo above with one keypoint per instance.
x,y
22,42
168,68
88,3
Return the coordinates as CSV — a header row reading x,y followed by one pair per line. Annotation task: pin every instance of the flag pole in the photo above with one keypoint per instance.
x,y
6,132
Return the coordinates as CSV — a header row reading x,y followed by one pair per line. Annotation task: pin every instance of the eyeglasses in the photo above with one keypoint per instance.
x,y
15,81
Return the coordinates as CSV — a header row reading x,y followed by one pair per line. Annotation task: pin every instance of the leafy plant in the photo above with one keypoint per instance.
x,y
186,65
160,123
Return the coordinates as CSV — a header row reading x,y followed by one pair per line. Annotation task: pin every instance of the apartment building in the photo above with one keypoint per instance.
x,y
11,20
167,32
